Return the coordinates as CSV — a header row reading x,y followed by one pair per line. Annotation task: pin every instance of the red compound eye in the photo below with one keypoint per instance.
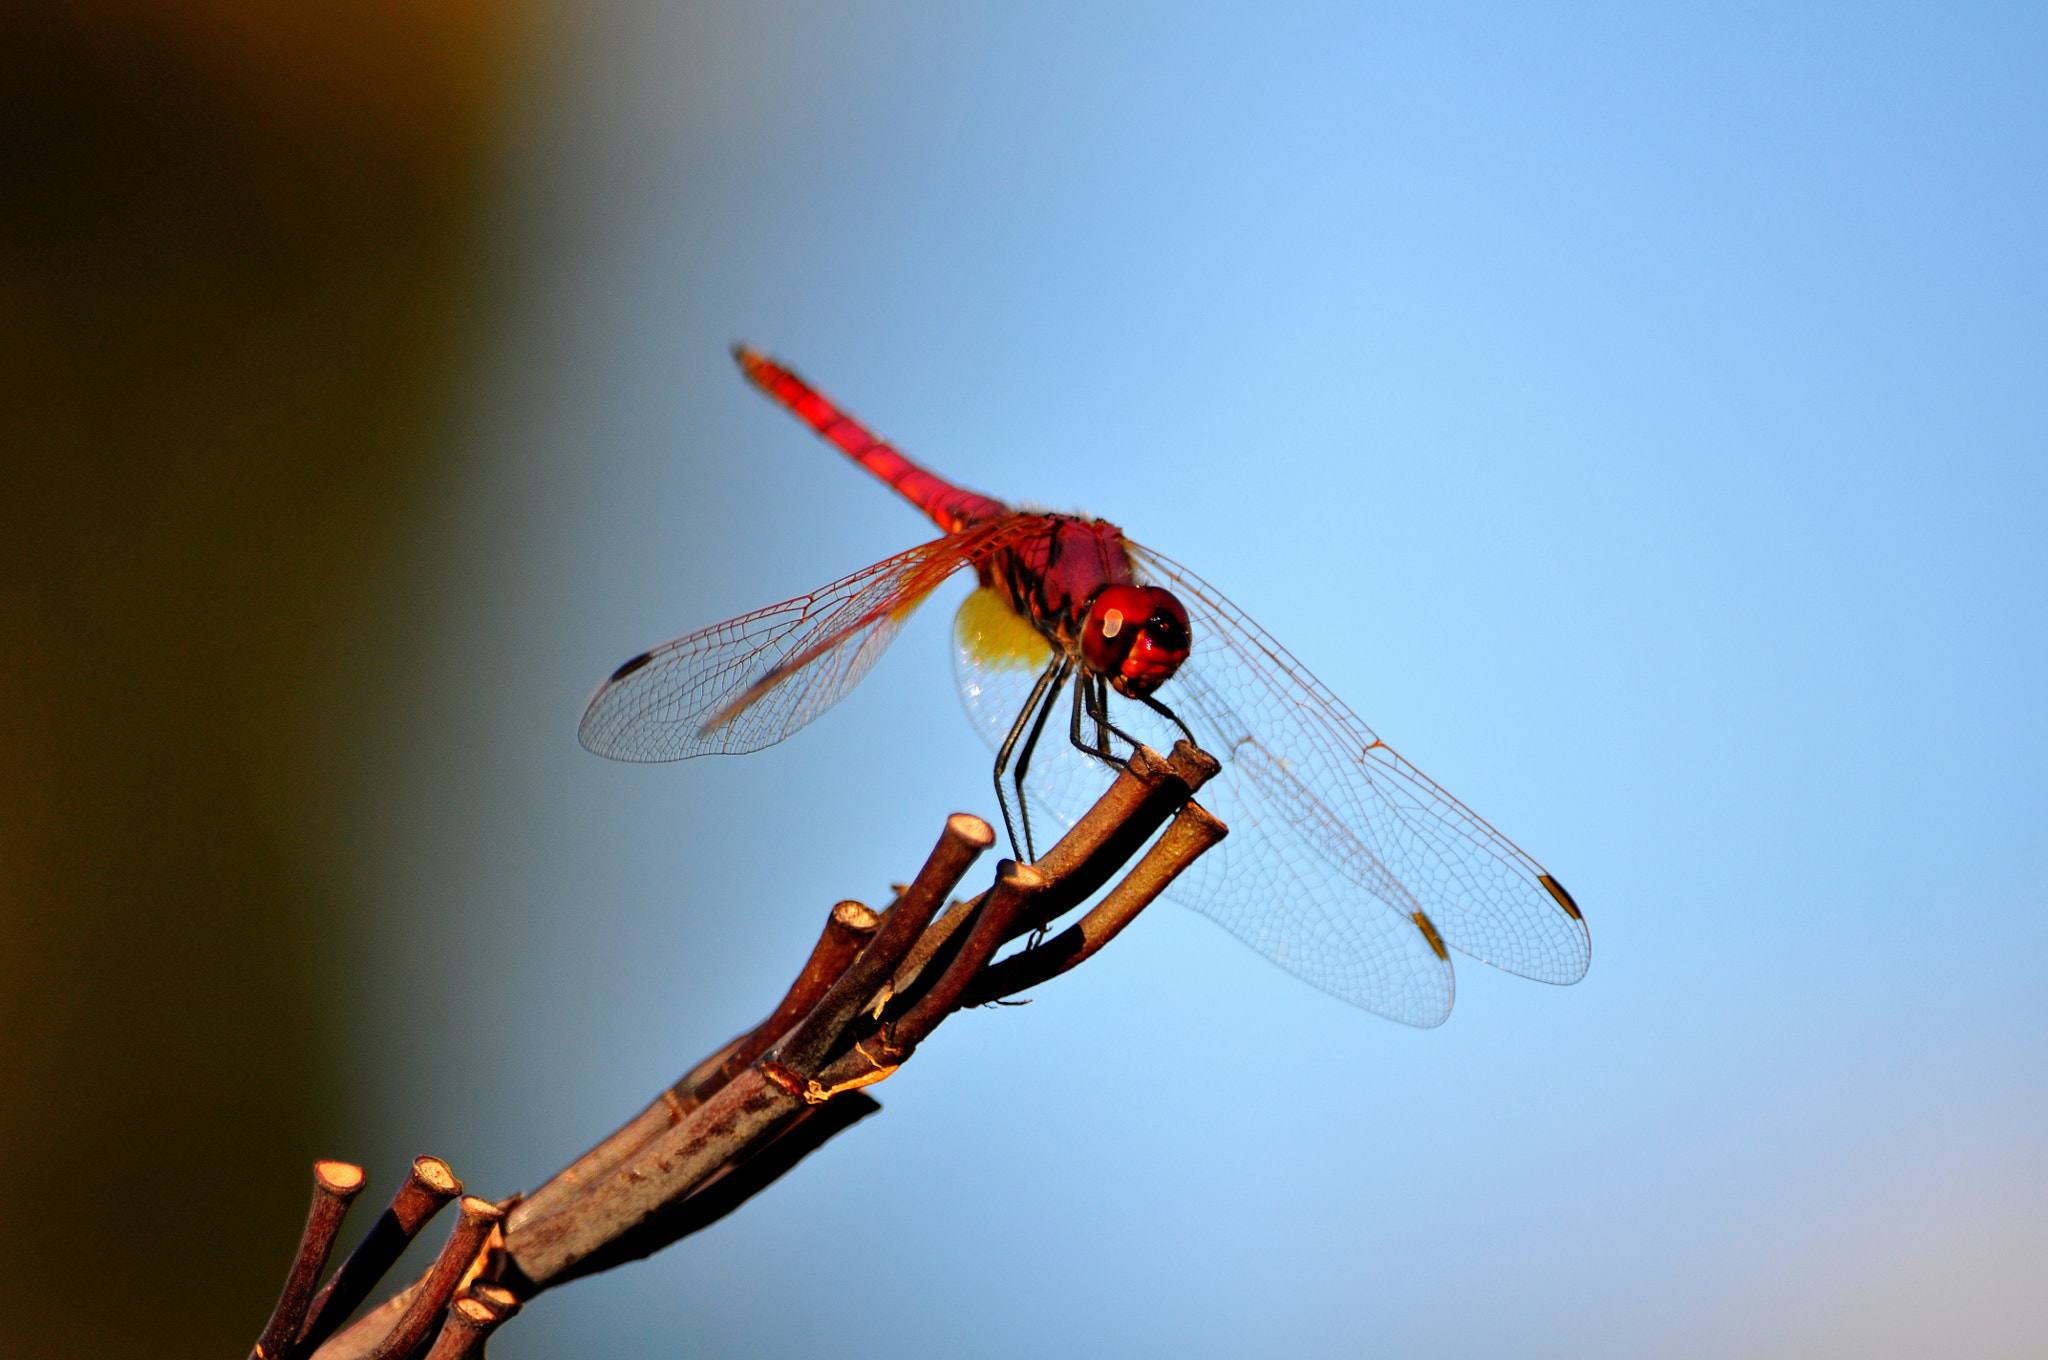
x,y
1135,635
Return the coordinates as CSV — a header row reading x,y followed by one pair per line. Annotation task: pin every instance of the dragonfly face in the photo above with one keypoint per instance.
x,y
1136,637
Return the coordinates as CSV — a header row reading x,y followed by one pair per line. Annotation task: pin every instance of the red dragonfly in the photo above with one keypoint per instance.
x,y
1345,865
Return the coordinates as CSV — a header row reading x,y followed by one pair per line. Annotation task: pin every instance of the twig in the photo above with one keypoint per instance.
x,y
805,1049
872,991
1017,889
362,1336
1193,831
848,926
721,1192
661,1174
498,1299
1149,790
464,1242
935,937
335,1187
849,929
743,1113
428,1186
1129,811
760,1103
462,1335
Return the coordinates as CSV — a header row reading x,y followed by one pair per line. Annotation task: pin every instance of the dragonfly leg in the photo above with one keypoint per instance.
x,y
1093,693
1059,682
1055,670
1098,710
1163,711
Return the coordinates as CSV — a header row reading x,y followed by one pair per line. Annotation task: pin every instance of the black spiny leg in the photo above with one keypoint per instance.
x,y
1056,668
1024,759
1163,711
1092,694
1098,713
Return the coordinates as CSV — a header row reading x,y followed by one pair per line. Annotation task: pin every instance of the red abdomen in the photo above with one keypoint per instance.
x,y
950,507
1048,569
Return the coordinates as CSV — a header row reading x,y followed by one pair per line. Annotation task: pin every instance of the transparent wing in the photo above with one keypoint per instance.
x,y
1336,843
1356,806
751,681
1267,890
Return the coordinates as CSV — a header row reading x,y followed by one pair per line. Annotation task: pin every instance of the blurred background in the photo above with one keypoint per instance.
x,y
1638,418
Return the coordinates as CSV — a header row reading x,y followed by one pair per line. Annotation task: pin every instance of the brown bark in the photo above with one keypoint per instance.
x,y
428,1186
462,1335
873,990
457,1255
1193,831
335,1187
848,927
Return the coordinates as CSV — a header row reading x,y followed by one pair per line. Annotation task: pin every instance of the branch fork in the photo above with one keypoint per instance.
x,y
872,991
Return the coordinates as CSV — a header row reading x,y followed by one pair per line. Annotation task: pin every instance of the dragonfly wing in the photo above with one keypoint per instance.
x,y
1340,807
1263,883
1272,887
751,681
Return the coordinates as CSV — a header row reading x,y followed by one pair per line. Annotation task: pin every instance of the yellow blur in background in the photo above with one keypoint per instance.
x,y
234,271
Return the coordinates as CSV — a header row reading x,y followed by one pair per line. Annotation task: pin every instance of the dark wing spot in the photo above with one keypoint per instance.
x,y
1436,941
635,664
1564,899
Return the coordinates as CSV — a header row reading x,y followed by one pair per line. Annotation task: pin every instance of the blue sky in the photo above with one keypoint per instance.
x,y
1638,418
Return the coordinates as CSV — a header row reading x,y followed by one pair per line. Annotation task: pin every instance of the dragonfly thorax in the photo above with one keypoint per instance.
x,y
1071,580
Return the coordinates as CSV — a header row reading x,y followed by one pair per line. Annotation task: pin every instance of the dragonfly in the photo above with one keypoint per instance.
x,y
1345,864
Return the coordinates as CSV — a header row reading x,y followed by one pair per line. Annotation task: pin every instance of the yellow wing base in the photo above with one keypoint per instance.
x,y
991,632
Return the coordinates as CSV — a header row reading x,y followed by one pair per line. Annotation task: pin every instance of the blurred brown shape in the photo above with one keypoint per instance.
x,y
232,282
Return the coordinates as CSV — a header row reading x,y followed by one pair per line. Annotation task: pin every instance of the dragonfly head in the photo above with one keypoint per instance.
x,y
1137,636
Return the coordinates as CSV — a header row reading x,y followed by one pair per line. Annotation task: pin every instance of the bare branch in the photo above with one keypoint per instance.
x,y
1103,841
428,1186
462,1335
1193,831
848,926
464,1243
807,1046
660,1174
723,1191
872,991
335,1187
357,1339
1017,889
499,1300
848,930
